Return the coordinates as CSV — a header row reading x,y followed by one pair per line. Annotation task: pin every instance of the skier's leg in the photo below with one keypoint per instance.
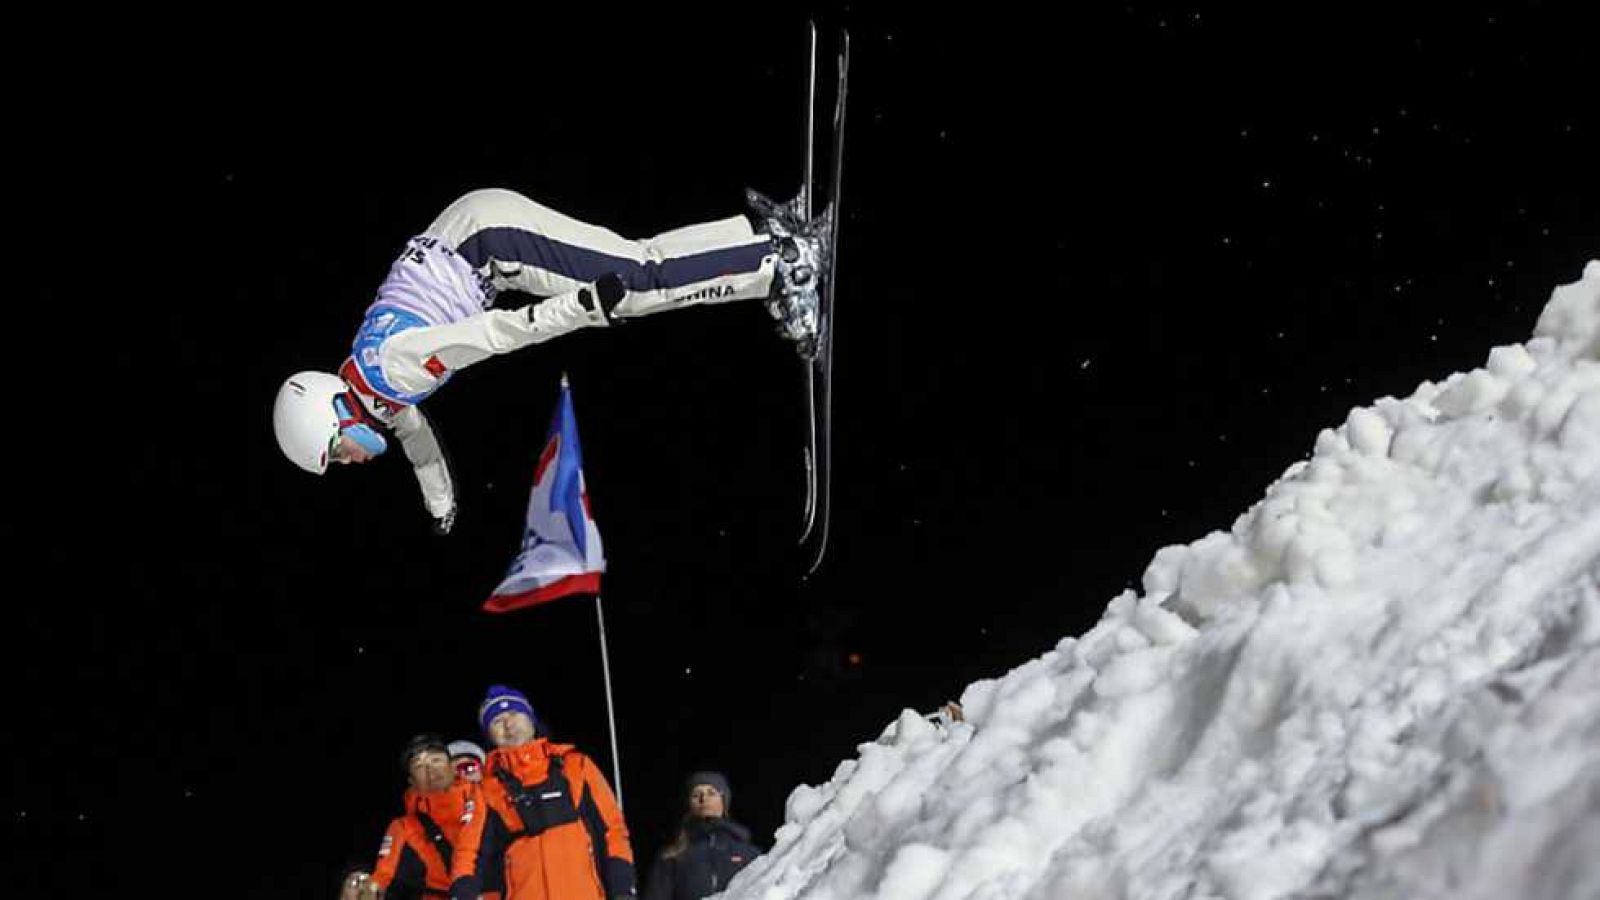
x,y
529,247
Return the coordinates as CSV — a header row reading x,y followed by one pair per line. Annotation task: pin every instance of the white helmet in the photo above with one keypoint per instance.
x,y
304,419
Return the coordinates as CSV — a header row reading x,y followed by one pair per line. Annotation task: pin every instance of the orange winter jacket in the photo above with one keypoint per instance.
x,y
553,828
418,850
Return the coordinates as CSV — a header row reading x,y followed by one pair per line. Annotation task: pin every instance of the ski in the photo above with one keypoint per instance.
x,y
808,187
819,363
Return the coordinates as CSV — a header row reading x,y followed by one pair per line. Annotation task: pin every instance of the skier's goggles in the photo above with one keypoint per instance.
x,y
467,767
354,425
344,407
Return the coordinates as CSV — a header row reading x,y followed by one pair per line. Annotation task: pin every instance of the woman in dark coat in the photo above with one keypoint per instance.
x,y
709,849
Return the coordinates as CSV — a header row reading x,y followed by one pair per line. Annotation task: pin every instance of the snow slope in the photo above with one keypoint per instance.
x,y
1382,681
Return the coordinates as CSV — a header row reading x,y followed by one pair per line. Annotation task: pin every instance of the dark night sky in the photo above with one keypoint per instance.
x,y
1104,280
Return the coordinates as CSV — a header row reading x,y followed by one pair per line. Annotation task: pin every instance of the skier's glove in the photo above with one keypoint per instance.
x,y
443,524
609,291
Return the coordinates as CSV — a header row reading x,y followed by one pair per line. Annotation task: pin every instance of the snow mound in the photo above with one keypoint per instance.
x,y
1382,681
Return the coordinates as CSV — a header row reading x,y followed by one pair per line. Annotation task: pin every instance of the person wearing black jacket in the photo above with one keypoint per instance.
x,y
710,847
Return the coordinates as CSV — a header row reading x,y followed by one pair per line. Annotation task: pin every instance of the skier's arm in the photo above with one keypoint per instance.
x,y
426,453
417,359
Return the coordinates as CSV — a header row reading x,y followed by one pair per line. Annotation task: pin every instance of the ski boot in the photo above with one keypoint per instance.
x,y
796,299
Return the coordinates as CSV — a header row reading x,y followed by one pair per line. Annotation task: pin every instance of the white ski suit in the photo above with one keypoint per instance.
x,y
433,314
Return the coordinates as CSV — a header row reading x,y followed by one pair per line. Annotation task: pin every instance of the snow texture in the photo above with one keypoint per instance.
x,y
1382,681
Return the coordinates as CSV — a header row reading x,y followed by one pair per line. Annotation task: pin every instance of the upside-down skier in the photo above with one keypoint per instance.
x,y
436,313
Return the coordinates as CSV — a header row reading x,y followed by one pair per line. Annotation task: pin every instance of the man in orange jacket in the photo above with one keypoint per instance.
x,y
418,850
553,827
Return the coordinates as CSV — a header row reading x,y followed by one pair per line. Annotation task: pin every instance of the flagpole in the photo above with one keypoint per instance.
x,y
611,716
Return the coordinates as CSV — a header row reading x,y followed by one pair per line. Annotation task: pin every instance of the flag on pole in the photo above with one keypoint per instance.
x,y
561,553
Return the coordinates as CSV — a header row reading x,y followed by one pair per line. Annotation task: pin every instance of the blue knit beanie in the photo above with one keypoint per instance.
x,y
502,699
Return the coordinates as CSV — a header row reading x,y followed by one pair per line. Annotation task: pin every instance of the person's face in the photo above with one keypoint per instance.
x,y
469,769
345,450
511,729
705,802
430,771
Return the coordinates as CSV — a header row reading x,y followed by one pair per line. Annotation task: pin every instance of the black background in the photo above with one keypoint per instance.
x,y
1103,279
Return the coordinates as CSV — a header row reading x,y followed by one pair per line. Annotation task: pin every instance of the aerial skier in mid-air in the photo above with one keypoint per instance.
x,y
435,313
